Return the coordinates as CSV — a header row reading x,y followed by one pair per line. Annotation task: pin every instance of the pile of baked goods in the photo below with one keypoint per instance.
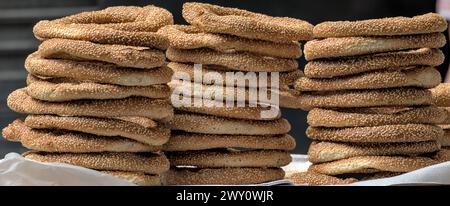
x,y
441,98
218,137
366,85
95,92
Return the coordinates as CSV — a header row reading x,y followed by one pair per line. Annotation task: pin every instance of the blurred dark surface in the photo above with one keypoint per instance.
x,y
18,17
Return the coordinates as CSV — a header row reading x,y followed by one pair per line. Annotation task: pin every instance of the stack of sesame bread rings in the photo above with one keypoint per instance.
x,y
96,91
366,86
441,98
235,144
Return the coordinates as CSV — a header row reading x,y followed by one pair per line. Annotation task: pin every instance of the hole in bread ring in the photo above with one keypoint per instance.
x,y
126,25
238,22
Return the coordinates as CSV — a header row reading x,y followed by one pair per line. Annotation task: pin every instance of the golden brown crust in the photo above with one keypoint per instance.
x,y
58,90
137,178
126,25
120,55
443,155
102,127
141,121
426,23
65,141
286,79
193,141
366,98
377,134
206,124
441,95
445,139
241,61
226,159
21,102
372,164
353,46
327,68
191,37
96,71
221,176
331,151
357,117
426,77
314,178
147,163
446,121
238,22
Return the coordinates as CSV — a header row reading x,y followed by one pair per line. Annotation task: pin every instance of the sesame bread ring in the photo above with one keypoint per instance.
x,y
102,127
314,178
219,159
366,98
73,142
327,68
374,116
148,163
222,110
221,176
319,152
141,121
441,95
206,124
372,164
126,25
445,139
120,55
427,77
240,61
96,71
191,37
377,134
443,155
137,178
286,79
193,141
426,23
21,102
59,90
353,46
238,22
446,121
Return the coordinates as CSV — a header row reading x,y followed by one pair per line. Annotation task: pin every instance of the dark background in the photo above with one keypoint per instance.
x,y
18,17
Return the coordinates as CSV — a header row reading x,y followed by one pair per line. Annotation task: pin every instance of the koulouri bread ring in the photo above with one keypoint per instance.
x,y
120,55
238,22
21,102
96,71
426,23
366,98
126,25
193,141
101,127
233,77
206,124
137,178
327,68
241,61
353,46
441,95
58,90
372,164
191,37
375,116
377,134
73,142
148,163
319,152
221,159
314,178
445,139
221,176
426,77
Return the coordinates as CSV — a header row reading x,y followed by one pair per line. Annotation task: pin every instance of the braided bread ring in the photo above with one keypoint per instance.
x,y
353,46
427,23
327,68
125,25
216,19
